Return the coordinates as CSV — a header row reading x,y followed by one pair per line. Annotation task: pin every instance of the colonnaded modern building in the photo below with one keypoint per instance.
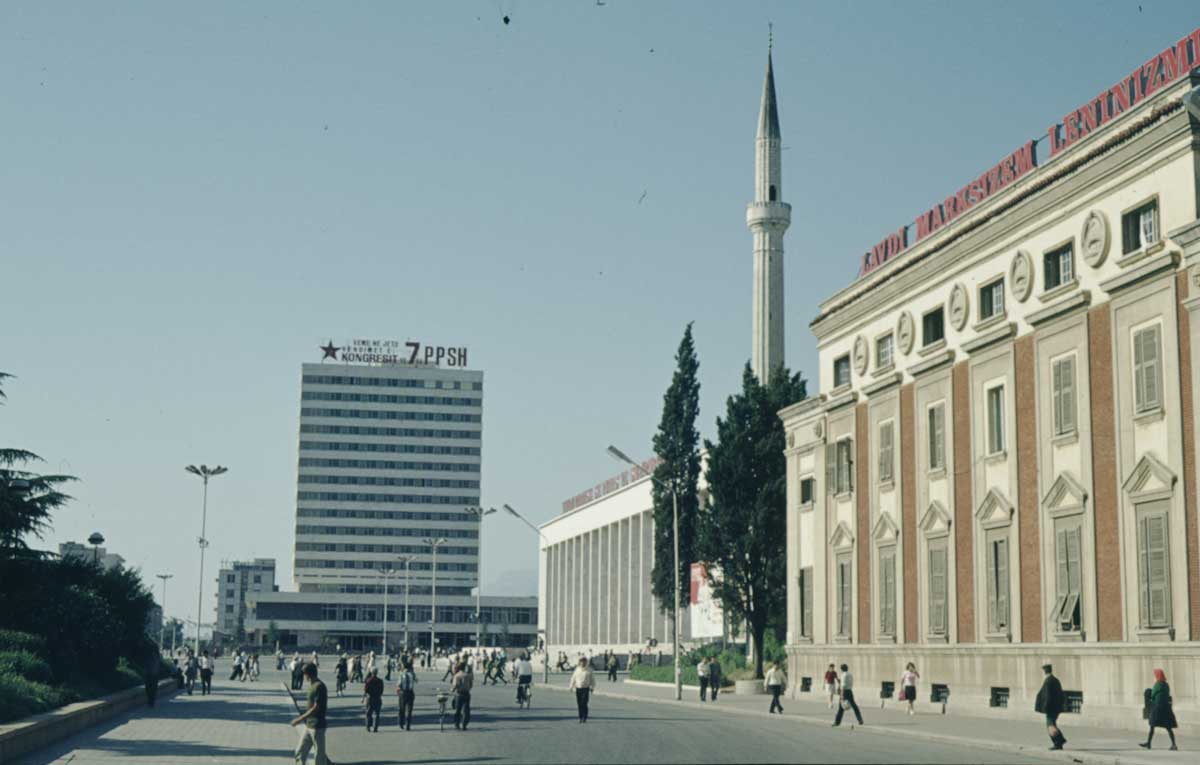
x,y
389,460
1001,468
594,575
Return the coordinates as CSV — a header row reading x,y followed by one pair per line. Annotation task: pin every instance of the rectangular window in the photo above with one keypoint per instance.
x,y
806,602
841,371
1062,385
991,299
887,592
1139,227
995,419
886,451
1068,555
1153,575
997,584
933,327
806,491
938,586
883,351
844,584
937,437
845,465
1147,370
1059,267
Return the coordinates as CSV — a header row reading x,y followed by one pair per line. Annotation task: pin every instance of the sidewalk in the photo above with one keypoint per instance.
x,y
1096,746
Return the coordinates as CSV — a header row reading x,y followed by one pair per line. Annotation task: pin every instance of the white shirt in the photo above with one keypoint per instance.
x,y
582,678
524,667
847,681
775,677
702,669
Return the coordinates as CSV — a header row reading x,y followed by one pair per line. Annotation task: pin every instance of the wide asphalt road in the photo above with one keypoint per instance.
x,y
245,723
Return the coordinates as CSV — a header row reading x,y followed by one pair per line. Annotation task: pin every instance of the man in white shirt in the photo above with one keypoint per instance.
x,y
847,698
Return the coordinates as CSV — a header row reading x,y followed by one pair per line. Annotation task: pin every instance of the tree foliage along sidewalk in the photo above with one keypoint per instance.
x,y
743,529
72,629
677,444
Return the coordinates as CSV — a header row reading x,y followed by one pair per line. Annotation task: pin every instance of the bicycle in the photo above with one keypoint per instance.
x,y
442,698
524,695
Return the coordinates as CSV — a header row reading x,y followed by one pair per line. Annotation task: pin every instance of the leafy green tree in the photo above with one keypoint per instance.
x,y
743,530
26,498
677,445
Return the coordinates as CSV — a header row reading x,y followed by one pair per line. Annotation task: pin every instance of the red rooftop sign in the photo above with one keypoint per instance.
x,y
619,481
1146,80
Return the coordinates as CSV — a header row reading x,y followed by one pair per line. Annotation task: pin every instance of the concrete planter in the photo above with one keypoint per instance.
x,y
748,687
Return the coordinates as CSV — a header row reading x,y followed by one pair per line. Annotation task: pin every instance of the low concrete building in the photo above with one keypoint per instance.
x,y
235,581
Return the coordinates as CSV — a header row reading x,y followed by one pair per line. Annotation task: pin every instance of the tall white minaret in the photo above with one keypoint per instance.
x,y
767,218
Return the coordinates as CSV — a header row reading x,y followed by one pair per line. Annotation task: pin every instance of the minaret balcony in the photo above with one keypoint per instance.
x,y
768,214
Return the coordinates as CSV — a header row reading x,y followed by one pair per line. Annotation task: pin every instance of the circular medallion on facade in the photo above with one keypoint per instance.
x,y
1095,239
958,307
818,429
904,332
1020,276
860,355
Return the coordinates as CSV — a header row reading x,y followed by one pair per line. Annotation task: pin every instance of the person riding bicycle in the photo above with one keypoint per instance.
x,y
524,672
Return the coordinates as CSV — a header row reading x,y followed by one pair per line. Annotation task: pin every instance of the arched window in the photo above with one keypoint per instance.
x,y
771,193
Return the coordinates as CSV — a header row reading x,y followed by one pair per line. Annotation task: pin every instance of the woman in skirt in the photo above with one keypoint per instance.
x,y
908,686
1161,713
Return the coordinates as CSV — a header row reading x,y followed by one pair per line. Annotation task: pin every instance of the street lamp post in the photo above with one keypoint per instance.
x,y
434,544
95,540
479,513
545,640
164,578
621,456
405,559
205,472
387,574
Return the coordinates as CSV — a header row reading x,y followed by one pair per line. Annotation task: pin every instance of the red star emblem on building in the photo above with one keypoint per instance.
x,y
330,351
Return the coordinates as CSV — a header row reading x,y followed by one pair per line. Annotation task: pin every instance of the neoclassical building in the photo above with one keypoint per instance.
x,y
1000,469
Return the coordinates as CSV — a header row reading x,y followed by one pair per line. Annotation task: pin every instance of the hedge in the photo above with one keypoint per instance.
x,y
25,664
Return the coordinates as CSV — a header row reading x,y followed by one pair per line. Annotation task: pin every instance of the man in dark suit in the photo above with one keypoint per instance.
x,y
1050,703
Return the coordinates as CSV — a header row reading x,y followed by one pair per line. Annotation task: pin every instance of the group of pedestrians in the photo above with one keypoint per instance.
x,y
709,671
245,666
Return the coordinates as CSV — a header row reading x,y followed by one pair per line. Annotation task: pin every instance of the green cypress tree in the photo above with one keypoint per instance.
x,y
677,444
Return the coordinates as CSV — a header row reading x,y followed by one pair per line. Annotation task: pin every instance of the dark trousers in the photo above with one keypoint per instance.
x,y
406,708
704,689
462,711
297,681
775,690
847,698
714,685
373,709
237,672
612,674
190,682
205,682
581,700
151,690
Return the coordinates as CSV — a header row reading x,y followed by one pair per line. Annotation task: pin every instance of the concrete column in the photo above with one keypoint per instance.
x,y
652,616
604,621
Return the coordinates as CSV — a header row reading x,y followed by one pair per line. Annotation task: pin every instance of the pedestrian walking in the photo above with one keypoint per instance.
x,y
253,666
714,678
150,674
313,719
1161,713
847,683
341,674
190,669
206,673
775,682
613,666
460,686
583,683
908,686
238,660
372,699
1049,702
702,673
297,668
406,689
831,684
450,665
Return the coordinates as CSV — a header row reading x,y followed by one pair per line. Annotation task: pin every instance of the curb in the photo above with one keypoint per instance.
x,y
1082,757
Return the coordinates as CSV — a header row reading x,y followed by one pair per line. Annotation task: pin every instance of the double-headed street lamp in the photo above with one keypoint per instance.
x,y
164,578
405,559
387,574
434,544
546,638
619,455
205,472
479,513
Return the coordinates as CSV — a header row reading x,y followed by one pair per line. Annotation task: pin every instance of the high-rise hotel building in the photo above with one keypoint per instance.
x,y
389,456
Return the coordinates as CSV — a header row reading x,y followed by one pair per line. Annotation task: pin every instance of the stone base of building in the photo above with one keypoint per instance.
x,y
1003,680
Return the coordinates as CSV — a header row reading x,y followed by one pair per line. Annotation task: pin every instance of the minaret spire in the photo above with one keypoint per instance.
x,y
768,218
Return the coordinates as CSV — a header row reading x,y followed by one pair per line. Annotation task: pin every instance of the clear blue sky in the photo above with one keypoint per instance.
x,y
192,198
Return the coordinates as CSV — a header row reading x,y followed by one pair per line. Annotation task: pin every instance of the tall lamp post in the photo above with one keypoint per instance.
x,y
387,574
546,640
405,559
164,578
434,544
95,540
619,455
205,472
479,513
